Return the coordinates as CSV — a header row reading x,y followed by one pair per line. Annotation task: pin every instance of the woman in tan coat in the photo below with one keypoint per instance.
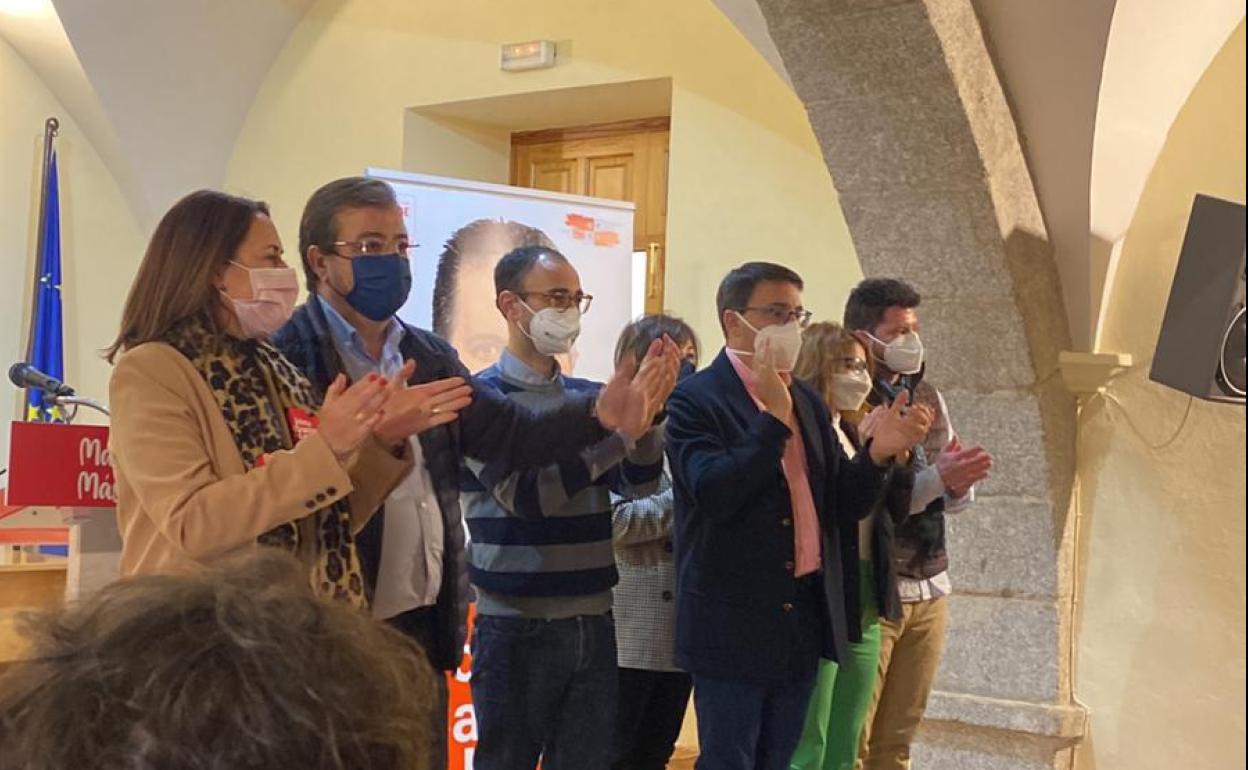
x,y
216,442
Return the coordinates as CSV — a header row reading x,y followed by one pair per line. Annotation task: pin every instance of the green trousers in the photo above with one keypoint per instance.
x,y
842,695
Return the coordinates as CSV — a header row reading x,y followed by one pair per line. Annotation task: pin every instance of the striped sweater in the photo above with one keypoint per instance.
x,y
540,540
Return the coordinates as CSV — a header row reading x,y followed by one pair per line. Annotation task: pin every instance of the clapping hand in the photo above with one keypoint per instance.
x,y
960,469
349,414
414,409
633,396
866,428
896,429
659,371
773,391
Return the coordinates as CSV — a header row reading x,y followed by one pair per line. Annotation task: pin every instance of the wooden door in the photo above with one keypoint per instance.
x,y
620,161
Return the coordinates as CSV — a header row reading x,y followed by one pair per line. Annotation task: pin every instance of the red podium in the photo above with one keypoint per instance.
x,y
66,467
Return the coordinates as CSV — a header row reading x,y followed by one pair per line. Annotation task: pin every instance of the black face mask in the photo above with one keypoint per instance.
x,y
889,391
687,368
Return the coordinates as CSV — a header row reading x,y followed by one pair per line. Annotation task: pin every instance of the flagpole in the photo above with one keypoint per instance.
x,y
51,127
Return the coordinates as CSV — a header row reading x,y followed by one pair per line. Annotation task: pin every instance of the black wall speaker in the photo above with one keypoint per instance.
x,y
1201,347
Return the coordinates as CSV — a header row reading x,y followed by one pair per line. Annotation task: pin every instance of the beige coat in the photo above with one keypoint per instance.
x,y
184,498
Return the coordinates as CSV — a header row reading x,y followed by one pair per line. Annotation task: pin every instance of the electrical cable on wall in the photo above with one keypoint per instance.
x,y
1040,383
1187,412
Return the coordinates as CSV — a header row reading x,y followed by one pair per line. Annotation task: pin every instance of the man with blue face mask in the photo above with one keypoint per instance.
x,y
762,488
354,244
541,556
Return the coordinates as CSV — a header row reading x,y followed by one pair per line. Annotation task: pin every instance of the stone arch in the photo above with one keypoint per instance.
x,y
926,159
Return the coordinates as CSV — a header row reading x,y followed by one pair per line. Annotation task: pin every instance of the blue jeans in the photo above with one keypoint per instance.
x,y
746,726
544,689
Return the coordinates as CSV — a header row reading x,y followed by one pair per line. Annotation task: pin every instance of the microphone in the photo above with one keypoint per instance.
x,y
24,375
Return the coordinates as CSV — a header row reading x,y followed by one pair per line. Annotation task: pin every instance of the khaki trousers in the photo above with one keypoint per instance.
x,y
910,652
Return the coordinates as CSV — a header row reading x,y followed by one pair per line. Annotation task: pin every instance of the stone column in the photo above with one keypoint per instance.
x,y
924,153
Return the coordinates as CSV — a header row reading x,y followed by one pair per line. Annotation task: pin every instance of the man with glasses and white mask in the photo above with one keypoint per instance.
x,y
762,486
354,246
883,314
544,673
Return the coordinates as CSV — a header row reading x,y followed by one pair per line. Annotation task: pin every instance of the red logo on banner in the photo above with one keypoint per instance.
x,y
60,465
587,228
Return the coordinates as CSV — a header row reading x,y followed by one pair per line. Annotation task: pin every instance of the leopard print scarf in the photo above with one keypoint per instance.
x,y
255,386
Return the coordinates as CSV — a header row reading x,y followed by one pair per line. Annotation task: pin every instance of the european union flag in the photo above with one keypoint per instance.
x,y
47,348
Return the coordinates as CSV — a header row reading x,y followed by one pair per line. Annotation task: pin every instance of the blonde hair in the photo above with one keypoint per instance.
x,y
822,344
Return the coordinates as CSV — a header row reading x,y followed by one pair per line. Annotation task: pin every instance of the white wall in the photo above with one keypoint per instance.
x,y
100,241
1161,637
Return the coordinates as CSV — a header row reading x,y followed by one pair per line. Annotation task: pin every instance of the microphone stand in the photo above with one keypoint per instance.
x,y
75,402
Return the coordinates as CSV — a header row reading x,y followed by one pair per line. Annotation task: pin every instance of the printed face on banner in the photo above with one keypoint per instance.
x,y
464,311
460,230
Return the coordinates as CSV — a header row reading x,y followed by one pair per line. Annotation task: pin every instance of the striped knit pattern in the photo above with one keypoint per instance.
x,y
541,540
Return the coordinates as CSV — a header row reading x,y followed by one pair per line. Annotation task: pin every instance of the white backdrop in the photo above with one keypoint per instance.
x,y
487,220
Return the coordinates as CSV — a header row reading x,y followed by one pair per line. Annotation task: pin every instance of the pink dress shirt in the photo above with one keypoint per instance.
x,y
806,535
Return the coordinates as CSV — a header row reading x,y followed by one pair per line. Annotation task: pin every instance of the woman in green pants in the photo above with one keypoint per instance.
x,y
840,367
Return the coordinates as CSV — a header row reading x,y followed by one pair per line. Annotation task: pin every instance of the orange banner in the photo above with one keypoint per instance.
x,y
461,720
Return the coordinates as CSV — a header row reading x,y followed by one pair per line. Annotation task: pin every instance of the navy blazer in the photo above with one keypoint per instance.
x,y
492,429
734,524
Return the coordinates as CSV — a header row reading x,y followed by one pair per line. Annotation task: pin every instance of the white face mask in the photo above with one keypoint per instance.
x,y
273,294
553,331
785,342
849,390
904,355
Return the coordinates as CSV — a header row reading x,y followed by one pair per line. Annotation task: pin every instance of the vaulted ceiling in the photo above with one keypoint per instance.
x,y
162,89
1094,86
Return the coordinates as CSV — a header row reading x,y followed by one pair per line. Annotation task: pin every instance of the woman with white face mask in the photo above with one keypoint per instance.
x,y
218,442
840,367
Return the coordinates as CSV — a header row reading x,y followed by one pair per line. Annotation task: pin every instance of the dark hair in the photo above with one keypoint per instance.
x,y
636,338
319,225
510,271
872,297
192,243
492,232
736,288
240,666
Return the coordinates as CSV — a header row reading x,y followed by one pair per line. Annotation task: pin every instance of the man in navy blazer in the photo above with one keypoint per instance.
x,y
353,242
761,483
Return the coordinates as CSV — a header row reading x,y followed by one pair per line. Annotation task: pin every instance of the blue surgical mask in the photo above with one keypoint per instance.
x,y
687,368
381,285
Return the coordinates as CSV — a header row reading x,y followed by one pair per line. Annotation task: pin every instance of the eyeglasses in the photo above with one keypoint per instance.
x,y
851,364
373,247
782,314
561,299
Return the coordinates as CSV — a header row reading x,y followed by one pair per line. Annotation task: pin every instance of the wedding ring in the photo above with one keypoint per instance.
x,y
435,410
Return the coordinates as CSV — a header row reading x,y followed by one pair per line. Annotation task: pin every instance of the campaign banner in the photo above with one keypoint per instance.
x,y
461,229
51,464
461,719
